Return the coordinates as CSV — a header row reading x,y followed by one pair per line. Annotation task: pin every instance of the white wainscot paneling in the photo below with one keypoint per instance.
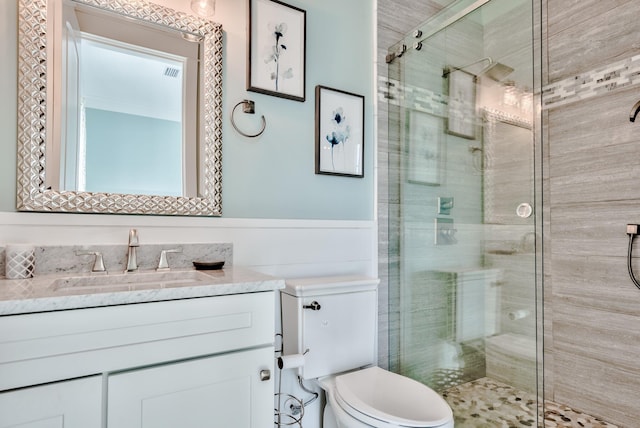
x,y
285,248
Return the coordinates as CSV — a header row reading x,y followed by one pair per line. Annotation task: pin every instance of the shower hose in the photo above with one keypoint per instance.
x,y
629,267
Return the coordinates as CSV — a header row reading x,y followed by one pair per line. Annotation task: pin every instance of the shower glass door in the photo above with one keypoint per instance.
x,y
463,111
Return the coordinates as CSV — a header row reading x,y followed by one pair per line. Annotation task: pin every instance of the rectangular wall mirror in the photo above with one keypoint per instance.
x,y
120,109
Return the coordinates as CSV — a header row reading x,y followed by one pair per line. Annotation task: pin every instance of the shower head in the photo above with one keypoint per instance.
x,y
494,70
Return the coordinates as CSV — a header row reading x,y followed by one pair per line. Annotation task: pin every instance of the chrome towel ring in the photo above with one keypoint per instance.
x,y
248,106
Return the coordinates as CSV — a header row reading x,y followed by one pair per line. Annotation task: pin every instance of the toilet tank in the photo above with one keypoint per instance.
x,y
477,303
340,334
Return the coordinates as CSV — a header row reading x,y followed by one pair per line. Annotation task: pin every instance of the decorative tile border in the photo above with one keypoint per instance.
x,y
412,97
617,75
602,80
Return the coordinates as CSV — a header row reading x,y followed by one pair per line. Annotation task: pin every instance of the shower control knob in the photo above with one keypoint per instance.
x,y
524,210
314,306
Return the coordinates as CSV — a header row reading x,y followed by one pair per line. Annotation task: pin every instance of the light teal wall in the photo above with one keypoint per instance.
x,y
272,176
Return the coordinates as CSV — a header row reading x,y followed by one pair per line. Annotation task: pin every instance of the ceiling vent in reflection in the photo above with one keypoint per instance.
x,y
171,72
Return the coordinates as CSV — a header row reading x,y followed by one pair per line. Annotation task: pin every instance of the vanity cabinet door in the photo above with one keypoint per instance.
x,y
69,404
222,391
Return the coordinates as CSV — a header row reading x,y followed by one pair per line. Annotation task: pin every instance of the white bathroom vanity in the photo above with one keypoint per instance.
x,y
175,354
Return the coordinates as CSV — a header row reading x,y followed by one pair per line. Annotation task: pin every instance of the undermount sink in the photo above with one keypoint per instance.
x,y
134,280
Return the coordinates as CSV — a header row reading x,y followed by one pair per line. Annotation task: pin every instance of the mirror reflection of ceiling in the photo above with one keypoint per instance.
x,y
126,81
133,69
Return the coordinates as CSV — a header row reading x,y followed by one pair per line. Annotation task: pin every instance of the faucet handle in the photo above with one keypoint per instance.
x,y
163,264
98,263
133,238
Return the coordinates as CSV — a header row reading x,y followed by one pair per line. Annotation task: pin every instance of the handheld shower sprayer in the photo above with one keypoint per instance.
x,y
632,231
634,112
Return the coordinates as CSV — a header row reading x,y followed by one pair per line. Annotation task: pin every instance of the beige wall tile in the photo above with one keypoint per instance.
x,y
587,34
601,390
591,317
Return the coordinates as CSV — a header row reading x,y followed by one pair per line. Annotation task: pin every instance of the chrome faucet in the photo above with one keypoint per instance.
x,y
134,243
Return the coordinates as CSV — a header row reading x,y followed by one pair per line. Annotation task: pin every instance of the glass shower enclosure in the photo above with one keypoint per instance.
x,y
464,165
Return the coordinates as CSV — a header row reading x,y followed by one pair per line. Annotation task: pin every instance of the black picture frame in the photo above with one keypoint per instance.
x,y
340,132
276,57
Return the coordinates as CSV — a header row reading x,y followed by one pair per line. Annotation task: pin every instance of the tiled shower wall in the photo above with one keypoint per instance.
x,y
395,19
591,171
592,332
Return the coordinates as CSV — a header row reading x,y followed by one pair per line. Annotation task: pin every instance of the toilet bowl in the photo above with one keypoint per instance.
x,y
333,322
374,397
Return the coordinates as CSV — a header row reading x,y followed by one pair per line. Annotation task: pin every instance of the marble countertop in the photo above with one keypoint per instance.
x,y
76,291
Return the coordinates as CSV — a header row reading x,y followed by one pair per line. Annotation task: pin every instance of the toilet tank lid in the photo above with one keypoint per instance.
x,y
319,286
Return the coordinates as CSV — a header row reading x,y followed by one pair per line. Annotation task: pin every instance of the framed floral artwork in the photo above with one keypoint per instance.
x,y
339,132
424,153
276,49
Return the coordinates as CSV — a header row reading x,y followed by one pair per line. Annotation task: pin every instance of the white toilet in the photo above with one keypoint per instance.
x,y
333,321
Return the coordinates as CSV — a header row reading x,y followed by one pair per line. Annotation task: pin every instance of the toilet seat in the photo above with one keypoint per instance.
x,y
381,398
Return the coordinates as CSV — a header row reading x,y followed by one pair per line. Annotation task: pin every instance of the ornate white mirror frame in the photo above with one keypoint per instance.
x,y
32,193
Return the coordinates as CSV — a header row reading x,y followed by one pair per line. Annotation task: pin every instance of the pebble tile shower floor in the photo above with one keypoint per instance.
x,y
485,403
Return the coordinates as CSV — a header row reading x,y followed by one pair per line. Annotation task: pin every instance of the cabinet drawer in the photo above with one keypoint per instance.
x,y
88,341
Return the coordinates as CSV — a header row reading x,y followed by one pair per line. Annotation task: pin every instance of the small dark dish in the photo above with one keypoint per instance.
x,y
208,265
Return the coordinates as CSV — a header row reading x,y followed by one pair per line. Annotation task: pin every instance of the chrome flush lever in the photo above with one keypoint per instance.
x,y
314,306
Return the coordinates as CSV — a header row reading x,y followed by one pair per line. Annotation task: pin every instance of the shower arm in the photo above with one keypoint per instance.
x,y
448,70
